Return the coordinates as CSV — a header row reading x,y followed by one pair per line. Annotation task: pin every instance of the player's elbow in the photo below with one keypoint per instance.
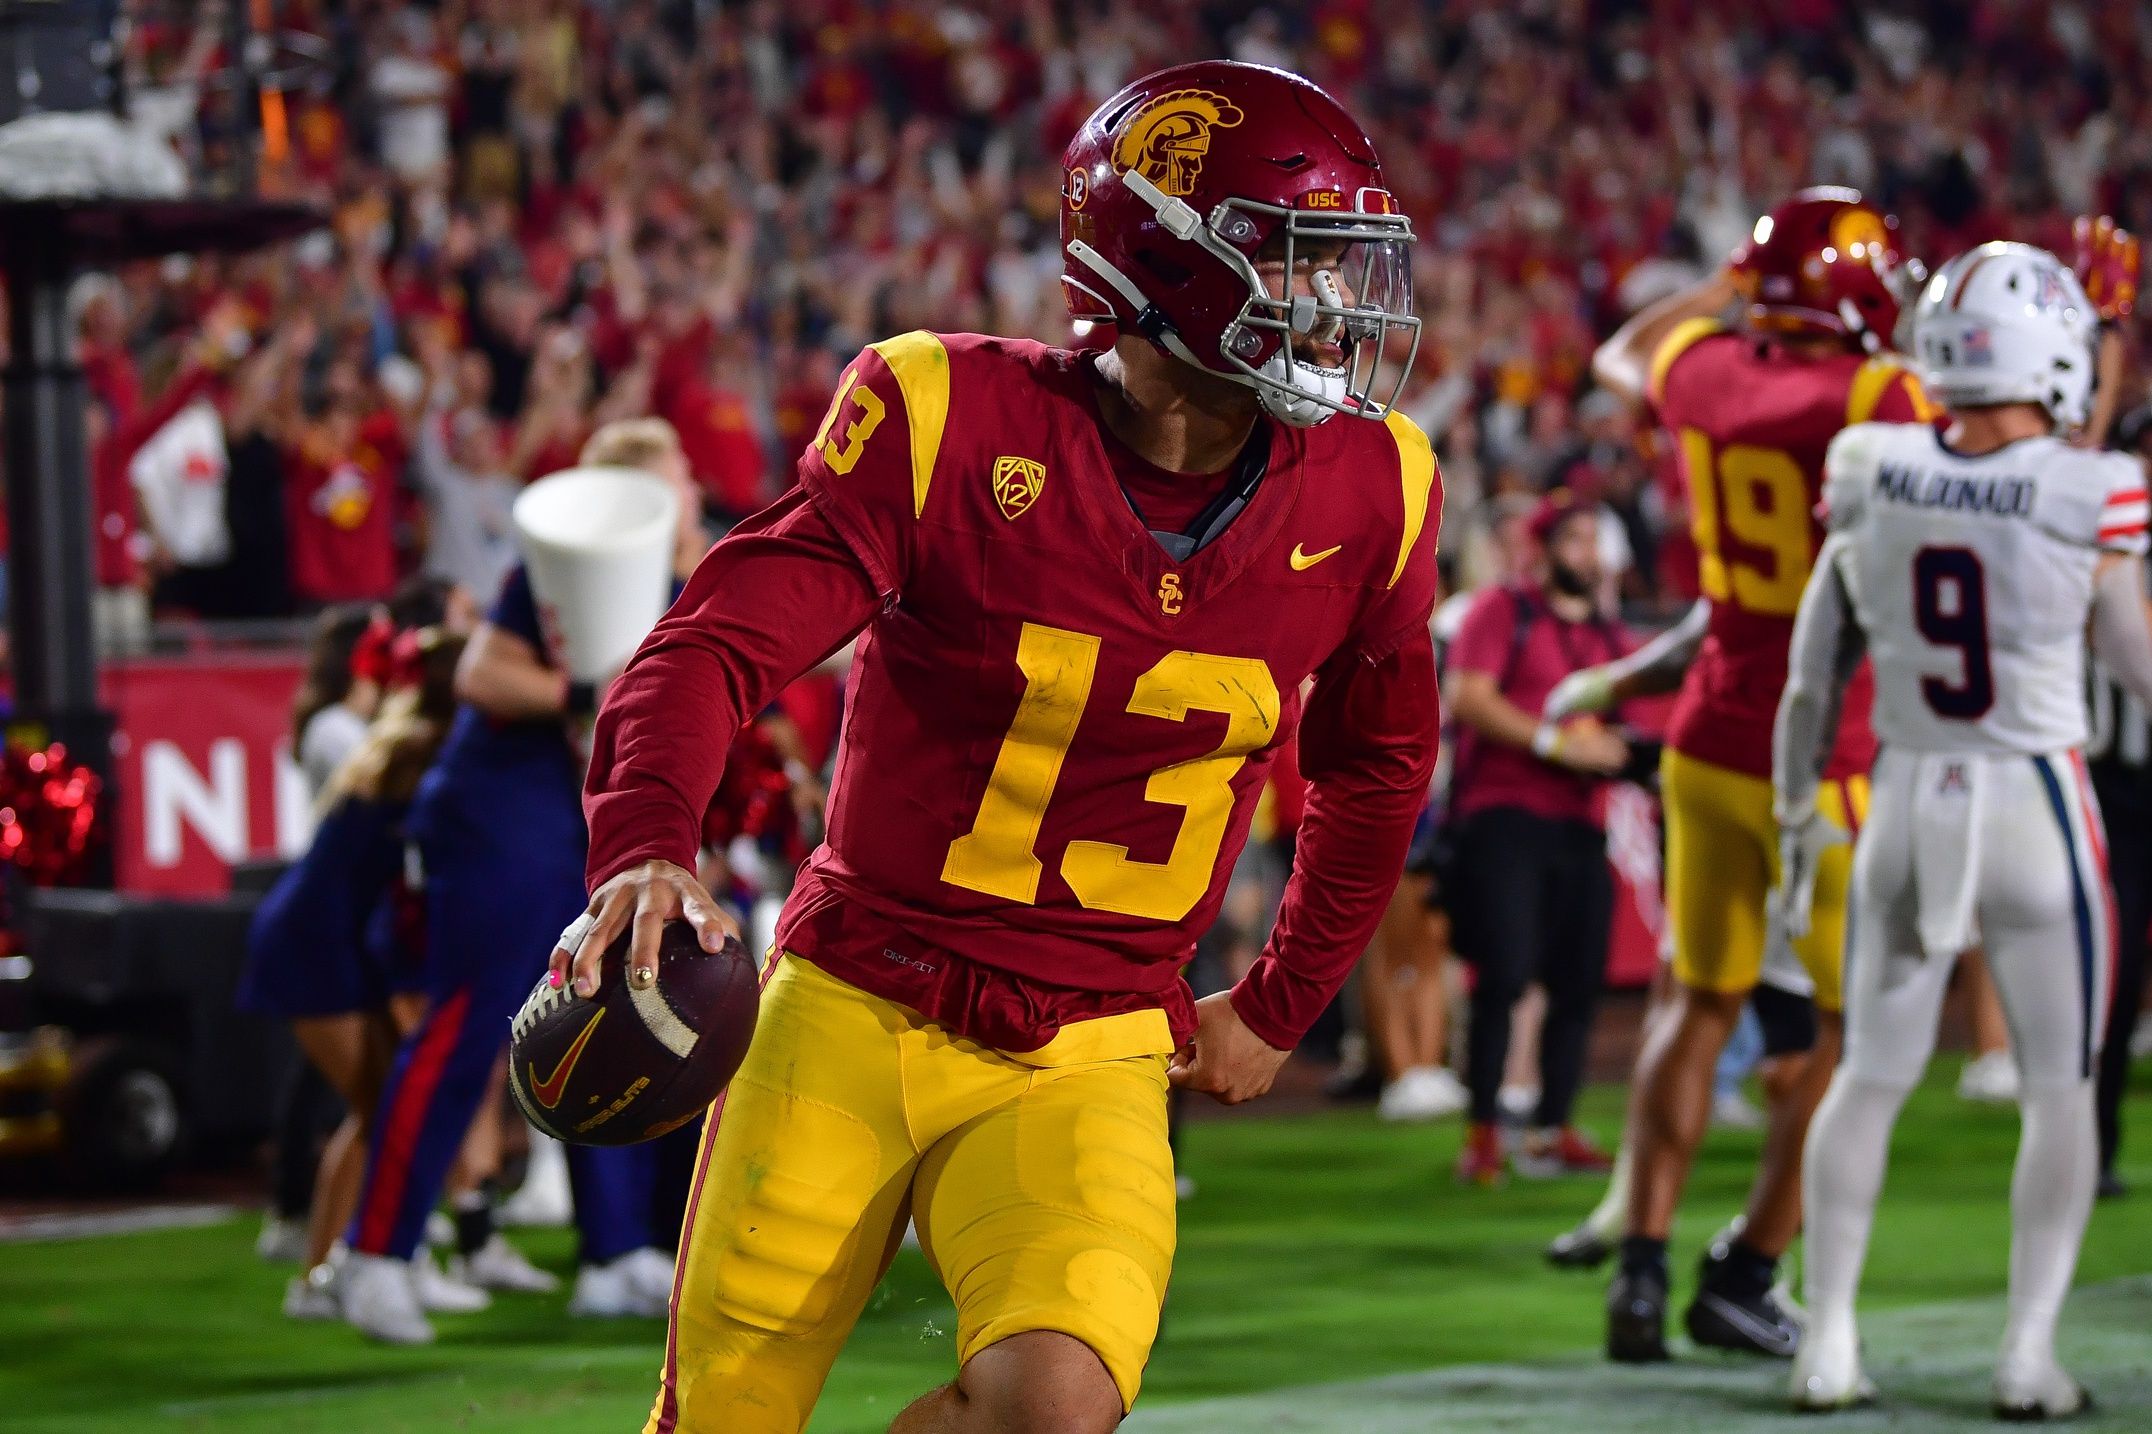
x,y
1395,768
1616,368
490,668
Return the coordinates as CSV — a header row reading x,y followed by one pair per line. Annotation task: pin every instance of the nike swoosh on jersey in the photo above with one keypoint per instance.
x,y
548,1091
1303,561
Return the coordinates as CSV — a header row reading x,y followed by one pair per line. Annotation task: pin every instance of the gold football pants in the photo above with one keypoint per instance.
x,y
1041,1187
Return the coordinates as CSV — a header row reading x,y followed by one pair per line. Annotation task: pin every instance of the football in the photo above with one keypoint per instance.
x,y
627,1065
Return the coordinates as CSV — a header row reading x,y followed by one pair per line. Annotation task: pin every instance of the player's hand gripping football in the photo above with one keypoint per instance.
x,y
2106,259
647,897
1802,840
1224,1059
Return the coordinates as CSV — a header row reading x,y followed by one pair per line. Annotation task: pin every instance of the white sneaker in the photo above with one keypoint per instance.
x,y
1422,1093
544,1198
2037,1388
1733,1111
439,1294
378,1299
1827,1372
499,1265
440,1231
312,1295
650,1271
1518,1102
637,1285
282,1241
1991,1079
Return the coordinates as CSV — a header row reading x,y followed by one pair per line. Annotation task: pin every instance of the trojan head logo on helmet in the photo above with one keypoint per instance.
x,y
1826,262
1166,140
1235,216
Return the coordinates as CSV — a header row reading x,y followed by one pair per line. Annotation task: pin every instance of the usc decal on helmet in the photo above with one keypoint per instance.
x,y
1855,228
1167,139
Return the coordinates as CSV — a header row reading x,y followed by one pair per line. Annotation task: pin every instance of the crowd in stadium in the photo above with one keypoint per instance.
x,y
549,213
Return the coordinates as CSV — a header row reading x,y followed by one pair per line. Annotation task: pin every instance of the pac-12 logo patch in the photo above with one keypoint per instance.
x,y
1168,138
1017,485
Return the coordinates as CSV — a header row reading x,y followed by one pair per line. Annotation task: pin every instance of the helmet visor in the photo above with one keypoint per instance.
x,y
1334,291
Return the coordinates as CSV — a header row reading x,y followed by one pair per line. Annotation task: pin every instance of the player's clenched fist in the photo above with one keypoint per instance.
x,y
647,897
1224,1058
2106,258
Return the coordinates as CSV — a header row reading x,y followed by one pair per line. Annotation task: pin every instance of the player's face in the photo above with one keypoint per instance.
x,y
1573,555
1318,272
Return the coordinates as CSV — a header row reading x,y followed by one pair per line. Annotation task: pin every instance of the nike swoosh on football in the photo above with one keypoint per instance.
x,y
1303,561
547,1092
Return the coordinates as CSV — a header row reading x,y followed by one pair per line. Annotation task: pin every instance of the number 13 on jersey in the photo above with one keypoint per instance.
x,y
999,855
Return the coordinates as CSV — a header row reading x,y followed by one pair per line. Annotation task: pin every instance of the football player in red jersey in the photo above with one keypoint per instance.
x,y
1752,408
1088,588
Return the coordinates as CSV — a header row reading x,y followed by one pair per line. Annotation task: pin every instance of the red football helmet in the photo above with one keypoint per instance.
x,y
1178,187
1826,261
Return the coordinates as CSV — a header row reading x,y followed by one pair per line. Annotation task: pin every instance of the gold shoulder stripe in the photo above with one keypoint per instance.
x,y
1416,470
1925,409
921,367
1678,341
1871,381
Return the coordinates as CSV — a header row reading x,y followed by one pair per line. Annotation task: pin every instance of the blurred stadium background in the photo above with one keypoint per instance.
x,y
532,216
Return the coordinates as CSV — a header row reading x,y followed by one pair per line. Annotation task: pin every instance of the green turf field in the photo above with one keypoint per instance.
x,y
1319,1250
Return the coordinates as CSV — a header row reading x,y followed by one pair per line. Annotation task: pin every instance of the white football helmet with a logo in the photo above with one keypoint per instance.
x,y
2007,323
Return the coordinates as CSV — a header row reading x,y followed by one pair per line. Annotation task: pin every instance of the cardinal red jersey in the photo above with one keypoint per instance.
x,y
338,511
1750,422
1057,733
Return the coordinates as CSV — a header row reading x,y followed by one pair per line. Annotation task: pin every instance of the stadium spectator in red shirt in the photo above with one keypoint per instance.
x,y
342,464
1533,895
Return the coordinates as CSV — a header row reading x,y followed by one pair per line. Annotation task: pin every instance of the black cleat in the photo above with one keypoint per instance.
x,y
1725,1315
1636,1317
2031,1412
1580,1249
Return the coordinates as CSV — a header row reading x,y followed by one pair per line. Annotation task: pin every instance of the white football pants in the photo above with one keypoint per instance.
x,y
2008,851
2003,850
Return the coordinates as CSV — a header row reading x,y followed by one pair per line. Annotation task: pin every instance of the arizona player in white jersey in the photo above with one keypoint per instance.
x,y
1967,564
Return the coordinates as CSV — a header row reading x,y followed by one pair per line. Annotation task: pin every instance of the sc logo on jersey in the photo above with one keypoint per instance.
x,y
1170,594
1017,485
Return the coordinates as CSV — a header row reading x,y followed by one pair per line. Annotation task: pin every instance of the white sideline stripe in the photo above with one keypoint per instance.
x,y
1932,1361
29,1229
